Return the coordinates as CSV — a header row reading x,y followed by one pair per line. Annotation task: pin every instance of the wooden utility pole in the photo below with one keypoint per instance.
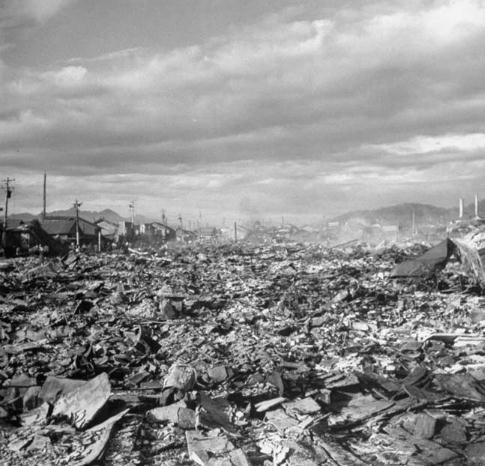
x,y
132,212
235,232
8,195
44,197
77,204
131,206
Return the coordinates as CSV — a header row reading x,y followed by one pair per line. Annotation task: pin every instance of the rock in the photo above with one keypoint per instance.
x,y
167,310
219,373
186,418
147,309
167,413
180,376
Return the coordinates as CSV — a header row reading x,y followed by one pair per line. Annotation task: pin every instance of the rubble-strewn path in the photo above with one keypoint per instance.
x,y
238,354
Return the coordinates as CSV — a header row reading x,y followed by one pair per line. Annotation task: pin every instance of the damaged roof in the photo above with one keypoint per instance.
x,y
67,225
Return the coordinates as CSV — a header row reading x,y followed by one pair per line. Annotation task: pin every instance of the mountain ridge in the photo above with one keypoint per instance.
x,y
397,214
402,214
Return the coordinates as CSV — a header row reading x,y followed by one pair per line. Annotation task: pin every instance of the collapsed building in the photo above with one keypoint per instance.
x,y
31,237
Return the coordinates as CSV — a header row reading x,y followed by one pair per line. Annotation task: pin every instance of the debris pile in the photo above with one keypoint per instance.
x,y
240,354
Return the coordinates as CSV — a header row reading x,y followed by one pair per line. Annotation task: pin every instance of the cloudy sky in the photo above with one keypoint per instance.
x,y
236,108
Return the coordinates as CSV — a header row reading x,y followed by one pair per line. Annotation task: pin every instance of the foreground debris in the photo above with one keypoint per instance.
x,y
282,354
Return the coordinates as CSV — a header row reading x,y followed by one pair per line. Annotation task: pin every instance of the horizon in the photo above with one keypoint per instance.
x,y
173,218
241,110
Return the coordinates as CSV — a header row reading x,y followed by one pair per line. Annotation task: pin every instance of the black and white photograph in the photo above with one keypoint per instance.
x,y
242,232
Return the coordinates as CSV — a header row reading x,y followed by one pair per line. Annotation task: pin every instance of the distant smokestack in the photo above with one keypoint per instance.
x,y
476,205
461,208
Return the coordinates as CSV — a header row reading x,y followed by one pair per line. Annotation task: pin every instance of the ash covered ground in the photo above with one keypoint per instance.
x,y
239,354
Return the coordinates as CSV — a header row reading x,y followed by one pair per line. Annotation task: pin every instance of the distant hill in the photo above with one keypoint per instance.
x,y
25,216
402,214
89,215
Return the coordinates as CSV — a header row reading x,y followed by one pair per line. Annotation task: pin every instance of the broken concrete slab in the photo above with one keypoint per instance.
x,y
37,415
81,405
280,420
54,387
176,413
206,449
421,425
302,407
359,409
167,413
180,376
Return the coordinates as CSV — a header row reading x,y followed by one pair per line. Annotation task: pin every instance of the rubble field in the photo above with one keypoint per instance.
x,y
239,354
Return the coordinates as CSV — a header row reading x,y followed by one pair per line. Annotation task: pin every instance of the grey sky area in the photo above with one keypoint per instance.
x,y
242,108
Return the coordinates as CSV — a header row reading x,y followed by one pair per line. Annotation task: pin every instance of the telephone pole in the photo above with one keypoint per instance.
x,y
44,197
8,195
131,205
77,204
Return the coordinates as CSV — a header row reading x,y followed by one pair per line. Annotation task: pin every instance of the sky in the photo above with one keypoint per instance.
x,y
237,109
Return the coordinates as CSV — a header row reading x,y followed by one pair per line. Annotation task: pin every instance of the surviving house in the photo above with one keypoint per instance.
x,y
185,235
126,230
29,237
155,231
208,232
109,230
64,229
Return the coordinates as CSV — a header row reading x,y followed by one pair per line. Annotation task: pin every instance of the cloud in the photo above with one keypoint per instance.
x,y
17,17
304,105
17,11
